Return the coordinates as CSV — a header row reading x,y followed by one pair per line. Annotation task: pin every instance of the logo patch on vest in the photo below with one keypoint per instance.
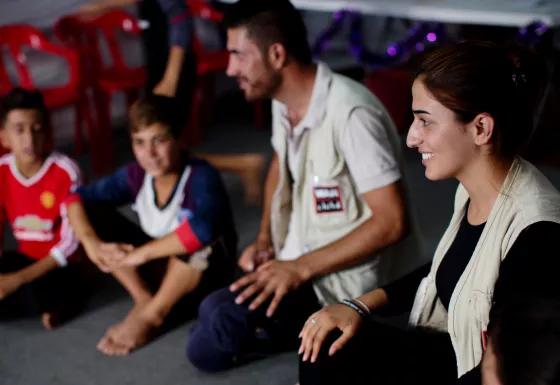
x,y
327,199
484,339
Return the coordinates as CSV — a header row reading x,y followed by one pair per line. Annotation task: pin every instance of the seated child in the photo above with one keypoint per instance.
x,y
185,222
523,345
42,276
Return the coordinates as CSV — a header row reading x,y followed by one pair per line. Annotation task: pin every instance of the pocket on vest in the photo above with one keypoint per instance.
x,y
480,305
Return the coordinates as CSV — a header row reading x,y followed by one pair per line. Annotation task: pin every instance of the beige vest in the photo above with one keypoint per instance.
x,y
526,197
322,165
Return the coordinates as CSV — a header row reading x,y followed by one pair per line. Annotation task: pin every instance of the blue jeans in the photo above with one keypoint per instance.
x,y
227,335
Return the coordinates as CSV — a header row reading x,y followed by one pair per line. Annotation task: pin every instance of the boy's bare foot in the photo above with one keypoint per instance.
x,y
134,332
53,319
50,320
251,176
111,348
107,339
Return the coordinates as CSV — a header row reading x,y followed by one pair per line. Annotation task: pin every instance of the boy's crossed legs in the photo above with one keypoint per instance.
x,y
156,288
150,309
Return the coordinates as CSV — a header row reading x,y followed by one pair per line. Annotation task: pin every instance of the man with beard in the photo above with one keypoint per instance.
x,y
334,211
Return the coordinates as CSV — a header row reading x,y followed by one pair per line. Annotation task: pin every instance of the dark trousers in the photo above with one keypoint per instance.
x,y
55,291
228,335
381,354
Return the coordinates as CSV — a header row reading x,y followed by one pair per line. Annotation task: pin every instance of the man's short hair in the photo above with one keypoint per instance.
x,y
269,22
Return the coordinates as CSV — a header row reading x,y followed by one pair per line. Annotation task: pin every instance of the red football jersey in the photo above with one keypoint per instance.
x,y
36,208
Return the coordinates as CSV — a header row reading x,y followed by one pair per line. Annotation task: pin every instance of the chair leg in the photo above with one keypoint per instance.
x,y
191,136
131,96
78,136
50,139
101,137
207,99
259,114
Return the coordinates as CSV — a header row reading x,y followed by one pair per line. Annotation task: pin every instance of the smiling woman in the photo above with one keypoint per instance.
x,y
486,93
473,104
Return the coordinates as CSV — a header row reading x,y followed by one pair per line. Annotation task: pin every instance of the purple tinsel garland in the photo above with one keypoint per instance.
x,y
418,37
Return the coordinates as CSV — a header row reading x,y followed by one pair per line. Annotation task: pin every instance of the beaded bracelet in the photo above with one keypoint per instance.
x,y
362,305
352,305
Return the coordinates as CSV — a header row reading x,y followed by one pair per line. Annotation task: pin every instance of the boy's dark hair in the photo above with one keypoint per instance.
x,y
152,109
525,336
22,99
269,22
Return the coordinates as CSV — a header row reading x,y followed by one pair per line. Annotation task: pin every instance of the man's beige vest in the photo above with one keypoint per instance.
x,y
322,164
526,197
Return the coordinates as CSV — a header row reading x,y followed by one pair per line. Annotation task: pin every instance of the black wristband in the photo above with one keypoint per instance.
x,y
352,305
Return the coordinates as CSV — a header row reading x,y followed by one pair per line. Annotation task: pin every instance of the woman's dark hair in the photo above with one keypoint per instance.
x,y
525,336
22,99
269,22
476,77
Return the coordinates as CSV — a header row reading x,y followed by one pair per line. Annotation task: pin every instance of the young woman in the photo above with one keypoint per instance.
x,y
473,106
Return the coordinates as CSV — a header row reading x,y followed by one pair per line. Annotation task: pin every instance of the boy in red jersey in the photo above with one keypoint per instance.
x,y
42,276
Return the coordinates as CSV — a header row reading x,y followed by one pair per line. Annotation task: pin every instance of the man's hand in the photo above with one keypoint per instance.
x,y
274,278
9,283
256,254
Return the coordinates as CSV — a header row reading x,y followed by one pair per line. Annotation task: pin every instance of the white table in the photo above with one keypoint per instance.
x,y
511,13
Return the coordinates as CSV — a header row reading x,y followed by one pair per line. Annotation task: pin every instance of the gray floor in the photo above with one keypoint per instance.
x,y
29,355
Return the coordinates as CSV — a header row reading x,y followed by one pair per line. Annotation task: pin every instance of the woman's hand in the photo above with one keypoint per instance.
x,y
320,324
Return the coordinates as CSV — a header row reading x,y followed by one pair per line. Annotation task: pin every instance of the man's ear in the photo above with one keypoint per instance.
x,y
277,56
483,129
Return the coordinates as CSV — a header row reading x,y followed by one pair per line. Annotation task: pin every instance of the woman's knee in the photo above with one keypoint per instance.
x,y
325,368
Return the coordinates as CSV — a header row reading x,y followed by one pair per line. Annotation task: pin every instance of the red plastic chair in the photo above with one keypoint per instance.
x,y
207,63
15,38
105,80
118,76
